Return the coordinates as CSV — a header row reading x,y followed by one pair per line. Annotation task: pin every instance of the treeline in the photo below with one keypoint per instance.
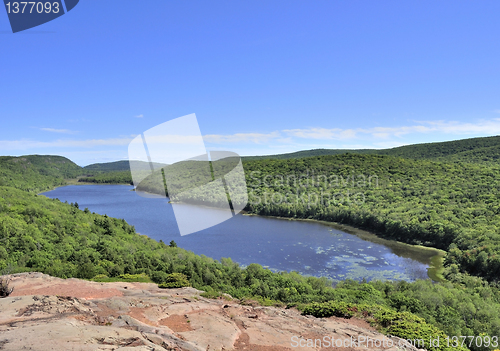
x,y
41,234
451,206
112,177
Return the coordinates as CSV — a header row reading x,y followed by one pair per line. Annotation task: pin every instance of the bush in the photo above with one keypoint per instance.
x,y
401,324
330,308
159,277
175,280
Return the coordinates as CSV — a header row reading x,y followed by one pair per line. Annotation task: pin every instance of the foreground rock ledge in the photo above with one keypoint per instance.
x,y
47,313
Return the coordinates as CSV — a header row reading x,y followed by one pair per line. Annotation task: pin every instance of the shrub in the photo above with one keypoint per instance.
x,y
175,280
159,277
401,324
330,308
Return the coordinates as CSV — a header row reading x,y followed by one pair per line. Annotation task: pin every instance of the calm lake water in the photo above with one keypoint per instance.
x,y
279,244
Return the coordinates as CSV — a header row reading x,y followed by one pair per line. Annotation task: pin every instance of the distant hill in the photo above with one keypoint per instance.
x,y
34,173
474,150
109,166
120,166
466,150
44,164
311,153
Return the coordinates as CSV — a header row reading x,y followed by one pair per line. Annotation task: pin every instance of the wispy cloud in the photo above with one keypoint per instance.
x,y
449,127
257,138
139,116
25,144
321,133
61,131
285,140
497,111
375,134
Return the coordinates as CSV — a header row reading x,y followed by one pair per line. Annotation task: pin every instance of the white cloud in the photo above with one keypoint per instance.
x,y
321,133
486,127
257,138
286,140
54,130
139,116
25,144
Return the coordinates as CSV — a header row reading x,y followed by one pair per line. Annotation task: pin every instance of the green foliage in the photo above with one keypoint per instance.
x,y
114,177
119,166
450,206
140,278
175,280
454,206
474,150
401,324
36,173
331,308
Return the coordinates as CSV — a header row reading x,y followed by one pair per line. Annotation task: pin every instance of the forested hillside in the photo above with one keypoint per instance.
x,y
36,173
474,150
111,177
450,205
119,166
41,234
108,166
453,206
310,153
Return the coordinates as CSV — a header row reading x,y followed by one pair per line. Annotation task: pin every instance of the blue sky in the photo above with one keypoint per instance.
x,y
262,77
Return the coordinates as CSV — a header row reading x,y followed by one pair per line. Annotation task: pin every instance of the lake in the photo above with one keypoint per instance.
x,y
278,244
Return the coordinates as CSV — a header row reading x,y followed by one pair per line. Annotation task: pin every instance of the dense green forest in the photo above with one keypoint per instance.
x,y
41,234
447,205
36,173
450,204
110,177
119,166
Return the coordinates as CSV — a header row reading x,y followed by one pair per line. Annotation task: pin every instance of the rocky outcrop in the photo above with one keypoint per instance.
x,y
46,313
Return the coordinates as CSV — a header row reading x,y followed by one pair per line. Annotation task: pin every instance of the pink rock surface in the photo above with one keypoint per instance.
x,y
46,313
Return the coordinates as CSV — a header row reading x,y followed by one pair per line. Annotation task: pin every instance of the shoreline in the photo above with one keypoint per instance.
x,y
432,257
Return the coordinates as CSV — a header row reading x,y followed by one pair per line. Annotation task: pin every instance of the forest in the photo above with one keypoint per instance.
x,y
452,205
60,239
447,205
